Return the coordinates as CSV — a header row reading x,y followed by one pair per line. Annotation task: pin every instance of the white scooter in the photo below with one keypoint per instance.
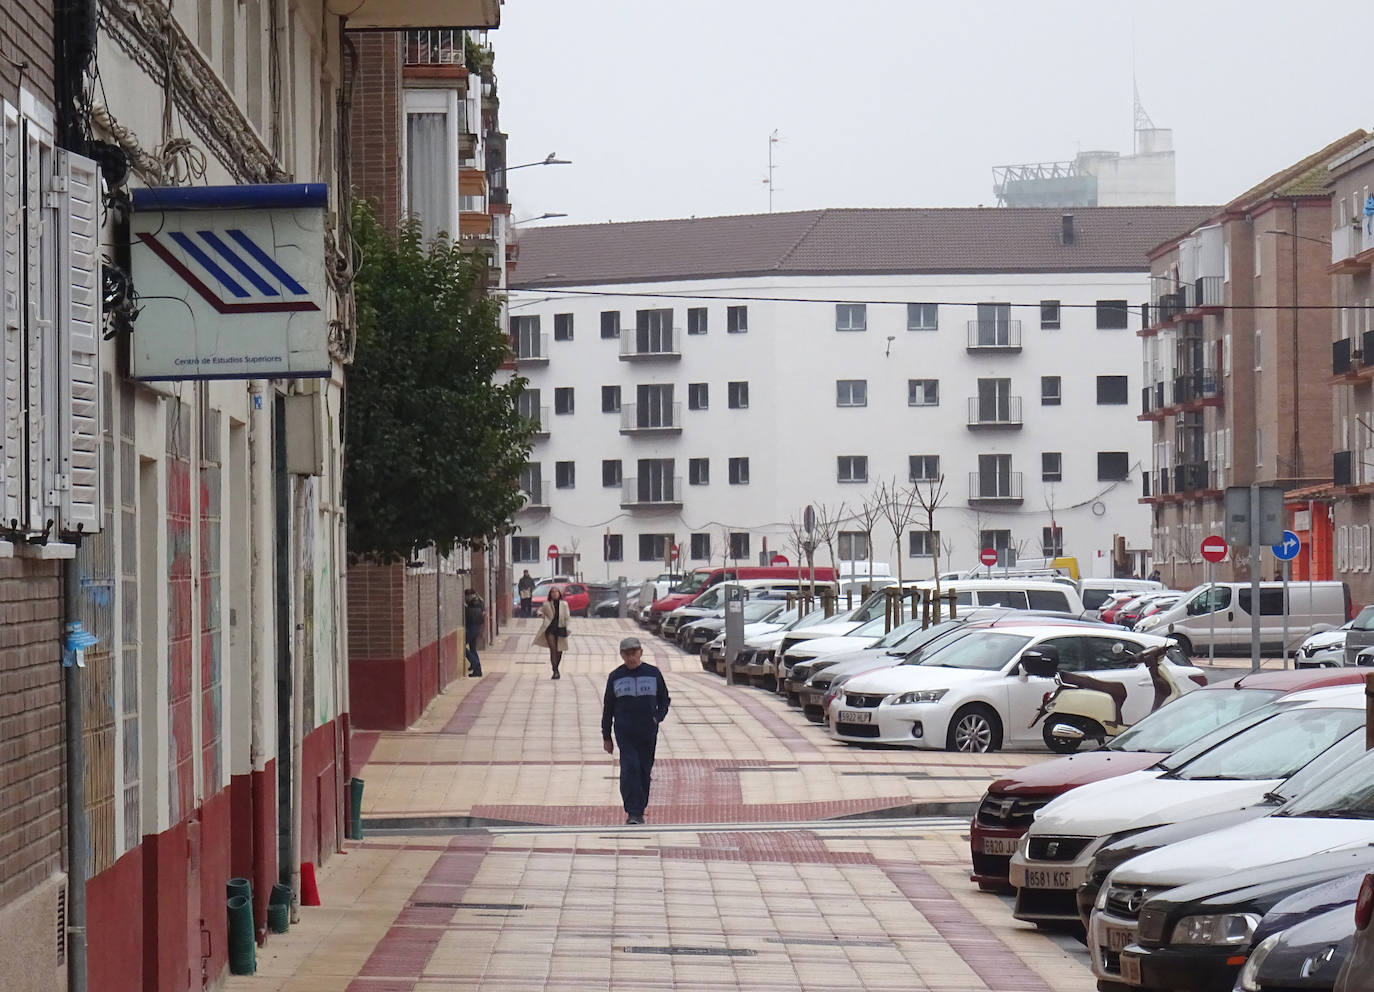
x,y
1081,708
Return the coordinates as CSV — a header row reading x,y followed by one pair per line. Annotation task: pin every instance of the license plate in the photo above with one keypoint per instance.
x,y
1118,938
855,716
999,845
1130,969
1037,878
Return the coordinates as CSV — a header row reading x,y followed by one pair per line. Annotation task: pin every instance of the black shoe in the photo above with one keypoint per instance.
x,y
632,819
555,674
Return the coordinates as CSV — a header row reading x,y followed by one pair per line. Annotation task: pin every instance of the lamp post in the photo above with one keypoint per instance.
x,y
550,159
530,220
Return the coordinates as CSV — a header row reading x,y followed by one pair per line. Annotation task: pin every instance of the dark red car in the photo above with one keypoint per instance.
x,y
574,594
1011,803
1113,605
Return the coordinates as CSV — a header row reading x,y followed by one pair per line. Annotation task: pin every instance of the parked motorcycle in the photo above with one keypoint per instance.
x,y
1081,708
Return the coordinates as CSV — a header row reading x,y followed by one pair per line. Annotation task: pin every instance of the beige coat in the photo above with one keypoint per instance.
x,y
546,620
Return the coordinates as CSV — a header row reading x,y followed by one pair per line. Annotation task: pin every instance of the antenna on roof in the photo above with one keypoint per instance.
x,y
773,139
1142,119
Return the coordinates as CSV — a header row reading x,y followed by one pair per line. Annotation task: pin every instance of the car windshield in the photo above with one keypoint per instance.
x,y
761,610
981,650
694,582
1364,620
1347,794
1276,748
918,642
1189,717
874,628
896,635
541,591
1212,738
810,619
1333,761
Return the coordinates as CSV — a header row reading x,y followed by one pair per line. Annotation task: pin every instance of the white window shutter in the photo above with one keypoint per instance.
x,y
12,404
80,319
37,311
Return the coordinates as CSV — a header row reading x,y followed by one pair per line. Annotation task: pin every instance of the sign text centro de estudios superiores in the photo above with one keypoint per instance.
x,y
231,282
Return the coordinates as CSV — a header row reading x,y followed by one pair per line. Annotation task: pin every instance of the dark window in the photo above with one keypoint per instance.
x,y
611,473
739,545
1111,390
698,396
563,399
1113,466
698,471
999,541
701,547
610,399
696,320
610,323
1111,315
1049,315
851,392
1048,599
923,468
851,316
615,547
564,475
562,327
1051,466
524,548
923,392
739,471
653,547
1052,544
922,543
1050,390
851,468
853,545
738,395
736,320
1271,601
922,316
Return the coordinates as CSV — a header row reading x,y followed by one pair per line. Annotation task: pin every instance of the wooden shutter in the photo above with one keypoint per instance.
x,y
37,322
79,319
12,404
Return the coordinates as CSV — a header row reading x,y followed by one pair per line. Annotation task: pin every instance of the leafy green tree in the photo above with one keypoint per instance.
x,y
434,445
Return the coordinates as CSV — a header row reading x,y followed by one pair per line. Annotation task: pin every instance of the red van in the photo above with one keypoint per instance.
x,y
702,579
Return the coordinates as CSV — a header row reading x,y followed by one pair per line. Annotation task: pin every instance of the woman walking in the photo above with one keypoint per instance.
x,y
553,628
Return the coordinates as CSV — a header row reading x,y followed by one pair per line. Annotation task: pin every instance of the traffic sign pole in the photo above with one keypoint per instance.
x,y
1285,551
1212,614
1254,578
1286,564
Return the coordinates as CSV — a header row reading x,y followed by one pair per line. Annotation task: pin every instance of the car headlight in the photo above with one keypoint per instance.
x,y
920,696
1220,930
1101,902
1148,622
1249,975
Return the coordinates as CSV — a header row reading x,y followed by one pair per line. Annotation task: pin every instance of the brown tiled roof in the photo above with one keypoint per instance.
x,y
851,242
1308,177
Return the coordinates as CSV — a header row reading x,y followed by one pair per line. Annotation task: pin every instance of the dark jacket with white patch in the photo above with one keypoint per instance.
x,y
637,702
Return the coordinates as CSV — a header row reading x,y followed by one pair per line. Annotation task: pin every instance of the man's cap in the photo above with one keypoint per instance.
x,y
630,644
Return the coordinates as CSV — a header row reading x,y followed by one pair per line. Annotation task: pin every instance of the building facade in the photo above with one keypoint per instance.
x,y
1352,372
699,382
1235,369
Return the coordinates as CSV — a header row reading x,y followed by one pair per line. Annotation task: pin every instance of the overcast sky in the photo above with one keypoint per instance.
x,y
665,107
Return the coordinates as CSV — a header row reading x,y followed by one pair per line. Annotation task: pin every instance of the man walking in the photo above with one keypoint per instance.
x,y
474,612
526,587
636,702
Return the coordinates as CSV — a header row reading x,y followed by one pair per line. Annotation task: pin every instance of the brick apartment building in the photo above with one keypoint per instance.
x,y
1235,343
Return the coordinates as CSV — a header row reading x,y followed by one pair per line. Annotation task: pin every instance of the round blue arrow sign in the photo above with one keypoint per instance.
x,y
1288,548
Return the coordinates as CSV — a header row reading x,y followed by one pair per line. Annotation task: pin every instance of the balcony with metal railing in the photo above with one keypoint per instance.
x,y
435,46
651,418
1347,245
1207,294
1002,411
541,422
1197,388
651,492
1342,468
530,349
538,498
994,335
1192,477
635,346
994,487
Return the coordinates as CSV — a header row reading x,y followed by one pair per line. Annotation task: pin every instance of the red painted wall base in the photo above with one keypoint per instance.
x,y
391,693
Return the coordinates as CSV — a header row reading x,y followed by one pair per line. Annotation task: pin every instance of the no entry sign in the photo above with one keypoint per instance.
x,y
552,552
988,556
1213,548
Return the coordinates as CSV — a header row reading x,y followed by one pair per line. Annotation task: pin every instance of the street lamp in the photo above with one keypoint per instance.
x,y
529,220
550,159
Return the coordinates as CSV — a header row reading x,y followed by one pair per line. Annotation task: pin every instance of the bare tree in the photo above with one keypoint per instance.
x,y
899,507
930,495
828,520
866,517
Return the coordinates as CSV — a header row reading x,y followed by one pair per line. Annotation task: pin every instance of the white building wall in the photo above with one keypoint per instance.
x,y
793,431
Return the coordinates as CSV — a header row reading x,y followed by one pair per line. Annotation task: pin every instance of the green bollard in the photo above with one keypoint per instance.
x,y
355,809
243,947
279,917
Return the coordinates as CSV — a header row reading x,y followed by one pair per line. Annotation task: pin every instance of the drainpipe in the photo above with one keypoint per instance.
x,y
297,694
1297,409
78,826
260,623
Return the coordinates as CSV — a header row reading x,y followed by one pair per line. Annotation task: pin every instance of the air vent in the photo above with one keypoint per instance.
x,y
61,926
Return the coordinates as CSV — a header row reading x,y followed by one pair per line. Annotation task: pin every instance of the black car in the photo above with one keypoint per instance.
x,y
1196,937
1302,942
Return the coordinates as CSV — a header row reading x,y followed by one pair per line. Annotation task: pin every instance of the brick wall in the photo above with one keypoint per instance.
x,y
31,748
376,122
26,35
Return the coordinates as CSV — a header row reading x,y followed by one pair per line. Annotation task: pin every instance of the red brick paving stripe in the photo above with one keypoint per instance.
x,y
470,708
796,741
990,959
684,814
400,957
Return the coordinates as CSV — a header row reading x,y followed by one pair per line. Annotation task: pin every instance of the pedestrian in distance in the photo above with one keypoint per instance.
x,y
1154,576
474,613
635,703
553,628
526,588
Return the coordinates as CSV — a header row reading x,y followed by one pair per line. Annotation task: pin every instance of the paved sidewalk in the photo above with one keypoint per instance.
x,y
740,881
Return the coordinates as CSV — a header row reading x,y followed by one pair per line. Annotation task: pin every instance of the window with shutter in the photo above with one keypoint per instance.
x,y
37,316
12,343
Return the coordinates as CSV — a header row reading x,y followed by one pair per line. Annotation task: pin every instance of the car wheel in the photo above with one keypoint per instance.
x,y
1068,745
974,729
1184,645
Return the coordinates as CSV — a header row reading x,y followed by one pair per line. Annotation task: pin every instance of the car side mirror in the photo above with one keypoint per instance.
x,y
1041,662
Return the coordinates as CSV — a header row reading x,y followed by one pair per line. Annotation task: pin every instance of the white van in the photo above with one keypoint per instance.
x,y
1225,608
1095,592
1016,594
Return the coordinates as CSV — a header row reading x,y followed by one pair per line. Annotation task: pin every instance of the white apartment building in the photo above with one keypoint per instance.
x,y
699,382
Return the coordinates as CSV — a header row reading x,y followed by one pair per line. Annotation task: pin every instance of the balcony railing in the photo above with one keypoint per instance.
x,y
435,46
1191,477
994,487
652,492
1341,355
538,498
1342,466
994,335
1145,484
1002,412
530,347
1204,384
541,422
662,344
1207,291
1346,242
651,418
1167,307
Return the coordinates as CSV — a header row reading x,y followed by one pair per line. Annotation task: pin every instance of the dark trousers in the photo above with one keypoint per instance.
x,y
471,633
526,607
636,769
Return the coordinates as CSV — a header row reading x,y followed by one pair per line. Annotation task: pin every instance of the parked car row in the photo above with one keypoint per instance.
x,y
1225,841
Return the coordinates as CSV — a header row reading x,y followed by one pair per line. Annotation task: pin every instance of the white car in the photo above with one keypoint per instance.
x,y
1215,774
1324,649
1336,813
972,694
